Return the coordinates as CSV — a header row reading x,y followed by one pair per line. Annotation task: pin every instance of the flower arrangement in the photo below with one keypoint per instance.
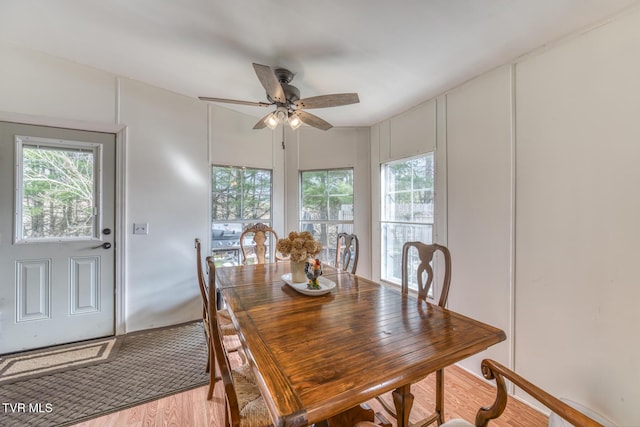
x,y
299,246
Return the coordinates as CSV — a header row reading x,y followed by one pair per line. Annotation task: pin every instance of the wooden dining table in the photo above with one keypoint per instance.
x,y
317,356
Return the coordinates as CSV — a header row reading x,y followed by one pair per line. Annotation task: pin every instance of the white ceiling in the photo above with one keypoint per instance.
x,y
395,54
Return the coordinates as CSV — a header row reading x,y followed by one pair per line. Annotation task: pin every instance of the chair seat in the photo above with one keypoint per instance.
x,y
451,423
224,316
253,410
226,324
245,372
227,330
231,340
457,423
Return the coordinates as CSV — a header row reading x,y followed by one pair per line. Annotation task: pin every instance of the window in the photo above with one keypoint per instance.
x,y
407,211
326,207
57,194
240,197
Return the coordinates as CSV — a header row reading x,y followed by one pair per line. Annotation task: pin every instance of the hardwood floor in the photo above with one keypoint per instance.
x,y
464,394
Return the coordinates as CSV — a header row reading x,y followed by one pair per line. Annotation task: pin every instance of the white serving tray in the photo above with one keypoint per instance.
x,y
326,285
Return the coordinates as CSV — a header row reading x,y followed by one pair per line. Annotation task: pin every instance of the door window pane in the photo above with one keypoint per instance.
x,y
58,191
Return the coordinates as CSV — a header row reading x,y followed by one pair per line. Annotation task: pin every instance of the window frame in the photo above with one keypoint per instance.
x,y
57,144
428,226
244,222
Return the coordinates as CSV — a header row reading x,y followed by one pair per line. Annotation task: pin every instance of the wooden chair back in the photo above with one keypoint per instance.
x,y
426,253
204,292
244,403
493,370
347,251
261,235
211,288
232,416
201,280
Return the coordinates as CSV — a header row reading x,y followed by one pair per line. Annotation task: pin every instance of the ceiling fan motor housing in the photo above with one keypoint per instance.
x,y
283,75
291,93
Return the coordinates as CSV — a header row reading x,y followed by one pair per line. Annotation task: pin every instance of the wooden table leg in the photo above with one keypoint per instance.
x,y
351,417
440,396
403,401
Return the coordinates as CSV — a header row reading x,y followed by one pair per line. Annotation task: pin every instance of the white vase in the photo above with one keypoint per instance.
x,y
297,272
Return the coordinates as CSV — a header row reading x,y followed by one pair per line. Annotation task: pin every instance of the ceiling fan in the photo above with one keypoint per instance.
x,y
286,98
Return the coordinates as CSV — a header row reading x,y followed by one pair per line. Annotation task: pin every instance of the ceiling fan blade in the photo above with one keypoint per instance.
x,y
324,101
261,123
234,101
270,82
312,120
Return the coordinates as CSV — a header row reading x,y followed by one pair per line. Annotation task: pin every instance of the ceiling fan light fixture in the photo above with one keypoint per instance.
x,y
295,122
271,121
281,114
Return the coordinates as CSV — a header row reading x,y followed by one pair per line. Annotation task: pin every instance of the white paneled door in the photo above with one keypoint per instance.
x,y
57,249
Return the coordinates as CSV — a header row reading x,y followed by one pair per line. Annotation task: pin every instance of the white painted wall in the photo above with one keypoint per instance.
x,y
541,169
171,141
167,187
167,170
40,85
309,149
578,208
479,152
233,142
409,134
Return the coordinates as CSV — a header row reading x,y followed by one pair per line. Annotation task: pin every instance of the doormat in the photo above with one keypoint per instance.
x,y
149,365
32,364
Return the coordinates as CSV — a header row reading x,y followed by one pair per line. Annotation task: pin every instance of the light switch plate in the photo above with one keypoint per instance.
x,y
140,228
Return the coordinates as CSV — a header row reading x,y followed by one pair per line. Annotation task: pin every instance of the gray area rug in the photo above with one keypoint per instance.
x,y
149,365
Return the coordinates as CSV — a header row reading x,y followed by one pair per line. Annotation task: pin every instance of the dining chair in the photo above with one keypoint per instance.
x,y
493,370
424,268
225,320
244,405
347,251
264,237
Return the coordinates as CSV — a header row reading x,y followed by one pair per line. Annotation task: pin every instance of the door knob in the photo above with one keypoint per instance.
x,y
105,245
